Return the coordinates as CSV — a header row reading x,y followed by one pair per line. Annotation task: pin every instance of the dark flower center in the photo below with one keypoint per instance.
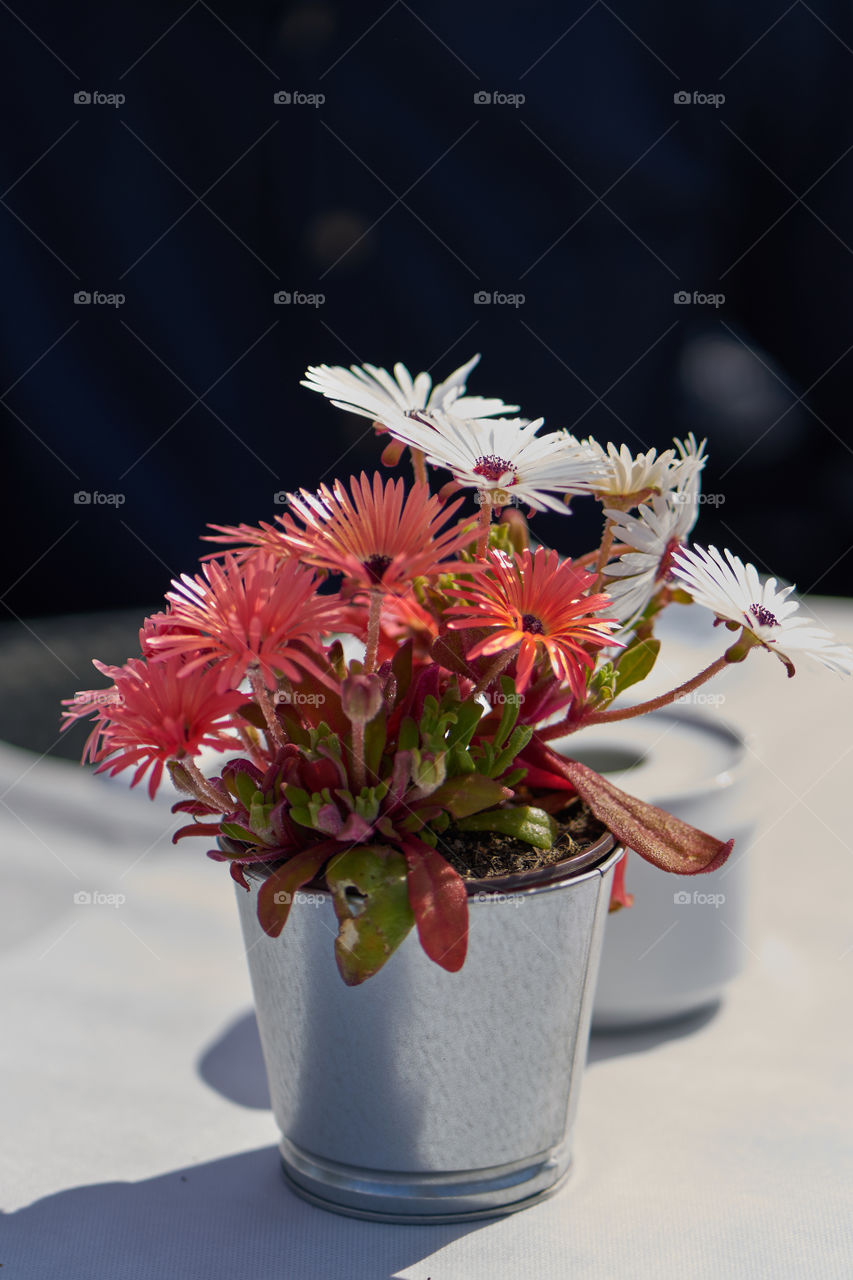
x,y
532,624
491,467
376,566
763,616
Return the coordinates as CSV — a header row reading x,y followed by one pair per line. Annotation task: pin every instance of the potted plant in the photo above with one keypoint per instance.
x,y
423,880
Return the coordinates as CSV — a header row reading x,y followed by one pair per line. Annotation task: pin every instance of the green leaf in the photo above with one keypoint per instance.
x,y
236,832
374,923
246,789
468,716
374,742
407,737
636,663
519,739
524,822
469,793
509,714
428,772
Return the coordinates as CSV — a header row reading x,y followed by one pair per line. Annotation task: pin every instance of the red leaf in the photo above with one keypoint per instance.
x,y
196,829
276,893
619,897
657,836
440,903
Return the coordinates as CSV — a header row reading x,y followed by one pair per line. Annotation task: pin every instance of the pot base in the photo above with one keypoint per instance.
x,y
418,1198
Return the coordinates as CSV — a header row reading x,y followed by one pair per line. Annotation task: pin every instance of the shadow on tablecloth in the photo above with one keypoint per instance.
x,y
229,1218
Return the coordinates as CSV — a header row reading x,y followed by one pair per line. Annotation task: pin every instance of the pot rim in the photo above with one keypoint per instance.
x,y
596,859
743,745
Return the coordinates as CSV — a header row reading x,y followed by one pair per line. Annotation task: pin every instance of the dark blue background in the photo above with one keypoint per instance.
x,y
398,199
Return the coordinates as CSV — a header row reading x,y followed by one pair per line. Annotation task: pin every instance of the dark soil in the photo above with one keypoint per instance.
x,y
481,855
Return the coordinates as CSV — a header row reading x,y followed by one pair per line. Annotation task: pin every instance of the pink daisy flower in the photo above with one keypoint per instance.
x,y
537,603
151,716
245,618
377,535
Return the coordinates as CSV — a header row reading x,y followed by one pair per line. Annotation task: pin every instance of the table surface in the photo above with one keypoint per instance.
x,y
137,1140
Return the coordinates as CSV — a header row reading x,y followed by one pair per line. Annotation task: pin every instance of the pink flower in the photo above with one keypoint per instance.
x,y
255,615
380,536
151,716
537,603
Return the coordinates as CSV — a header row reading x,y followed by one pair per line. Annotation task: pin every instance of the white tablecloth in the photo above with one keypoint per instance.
x,y
135,1136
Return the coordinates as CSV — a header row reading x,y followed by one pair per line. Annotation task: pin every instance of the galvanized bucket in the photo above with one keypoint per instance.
x,y
427,1096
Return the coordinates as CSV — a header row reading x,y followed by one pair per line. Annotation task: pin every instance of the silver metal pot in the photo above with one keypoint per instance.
x,y
427,1096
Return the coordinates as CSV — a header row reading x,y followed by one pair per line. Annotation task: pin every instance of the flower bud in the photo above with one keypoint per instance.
x,y
361,697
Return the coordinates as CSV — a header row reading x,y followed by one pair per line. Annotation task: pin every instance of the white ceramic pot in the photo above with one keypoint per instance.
x,y
674,951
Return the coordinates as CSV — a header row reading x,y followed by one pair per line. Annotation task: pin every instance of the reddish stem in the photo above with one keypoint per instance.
x,y
642,708
204,792
419,466
259,689
485,524
374,619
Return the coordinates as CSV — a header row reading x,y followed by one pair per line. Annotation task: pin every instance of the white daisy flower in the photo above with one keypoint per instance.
x,y
735,593
653,534
373,393
626,474
501,457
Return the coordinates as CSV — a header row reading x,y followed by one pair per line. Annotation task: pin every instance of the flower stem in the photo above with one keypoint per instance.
x,y
373,620
500,663
618,549
359,777
204,792
641,708
262,697
603,554
485,524
251,746
419,465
